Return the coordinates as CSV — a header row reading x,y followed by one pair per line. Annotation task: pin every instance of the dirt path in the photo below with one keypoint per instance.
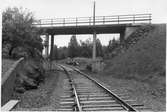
x,y
46,97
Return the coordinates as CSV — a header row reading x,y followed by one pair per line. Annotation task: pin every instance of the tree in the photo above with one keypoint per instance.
x,y
73,47
17,30
99,50
55,52
112,45
86,48
62,52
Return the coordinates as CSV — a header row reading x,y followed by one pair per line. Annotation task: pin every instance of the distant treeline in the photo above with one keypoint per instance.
x,y
84,49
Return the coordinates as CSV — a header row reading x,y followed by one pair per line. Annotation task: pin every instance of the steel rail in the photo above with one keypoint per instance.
x,y
79,108
117,98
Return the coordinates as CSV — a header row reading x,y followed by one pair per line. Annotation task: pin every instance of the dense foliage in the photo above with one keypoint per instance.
x,y
19,37
84,49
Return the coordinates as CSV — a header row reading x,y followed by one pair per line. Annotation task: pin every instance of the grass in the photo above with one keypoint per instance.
x,y
143,63
143,60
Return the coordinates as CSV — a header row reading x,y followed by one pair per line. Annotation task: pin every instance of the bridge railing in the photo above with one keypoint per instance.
x,y
99,20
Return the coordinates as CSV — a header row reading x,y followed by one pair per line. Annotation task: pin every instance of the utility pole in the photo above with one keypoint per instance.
x,y
94,33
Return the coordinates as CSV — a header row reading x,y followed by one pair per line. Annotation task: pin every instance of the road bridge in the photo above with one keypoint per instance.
x,y
91,25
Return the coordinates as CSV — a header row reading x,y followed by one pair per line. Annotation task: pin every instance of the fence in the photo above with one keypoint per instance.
x,y
99,20
8,81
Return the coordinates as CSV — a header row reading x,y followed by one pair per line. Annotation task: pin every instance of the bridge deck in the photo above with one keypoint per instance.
x,y
86,25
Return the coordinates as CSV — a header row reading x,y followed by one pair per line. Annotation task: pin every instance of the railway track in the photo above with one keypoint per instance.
x,y
83,93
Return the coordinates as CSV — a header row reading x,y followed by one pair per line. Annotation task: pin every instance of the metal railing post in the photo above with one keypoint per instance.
x,y
118,19
63,21
149,18
103,19
89,20
133,19
76,21
51,22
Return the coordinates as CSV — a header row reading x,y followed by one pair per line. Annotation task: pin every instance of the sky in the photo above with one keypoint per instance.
x,y
44,9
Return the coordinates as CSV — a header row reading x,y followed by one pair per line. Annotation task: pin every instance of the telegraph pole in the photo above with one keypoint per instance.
x,y
94,33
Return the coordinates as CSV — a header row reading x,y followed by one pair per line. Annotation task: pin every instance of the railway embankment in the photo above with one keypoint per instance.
x,y
20,76
139,67
46,97
8,79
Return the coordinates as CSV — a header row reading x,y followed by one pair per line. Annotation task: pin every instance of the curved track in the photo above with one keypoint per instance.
x,y
83,93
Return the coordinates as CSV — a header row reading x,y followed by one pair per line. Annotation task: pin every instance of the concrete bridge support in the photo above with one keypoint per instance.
x,y
47,45
52,46
122,37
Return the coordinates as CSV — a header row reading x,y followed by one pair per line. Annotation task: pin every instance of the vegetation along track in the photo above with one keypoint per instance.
x,y
83,93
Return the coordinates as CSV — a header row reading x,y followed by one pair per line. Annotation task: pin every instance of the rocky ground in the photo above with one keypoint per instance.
x,y
46,97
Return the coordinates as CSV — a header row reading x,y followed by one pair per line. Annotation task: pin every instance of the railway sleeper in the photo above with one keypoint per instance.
x,y
108,105
67,103
65,109
100,98
103,109
97,102
91,94
101,105
99,95
67,99
142,108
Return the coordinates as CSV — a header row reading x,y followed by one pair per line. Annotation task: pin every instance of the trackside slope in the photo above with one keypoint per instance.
x,y
144,60
142,65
